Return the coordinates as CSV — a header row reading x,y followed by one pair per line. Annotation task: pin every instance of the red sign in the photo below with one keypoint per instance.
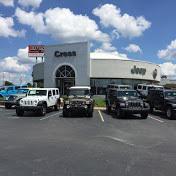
x,y
36,50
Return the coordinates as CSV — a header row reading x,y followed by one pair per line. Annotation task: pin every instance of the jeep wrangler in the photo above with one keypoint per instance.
x,y
163,100
39,99
79,100
124,102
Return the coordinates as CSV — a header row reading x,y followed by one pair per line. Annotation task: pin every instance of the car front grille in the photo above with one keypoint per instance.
x,y
134,104
77,103
11,98
28,103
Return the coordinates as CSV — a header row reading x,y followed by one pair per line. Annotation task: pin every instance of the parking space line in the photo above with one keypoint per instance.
x,y
153,118
44,118
101,116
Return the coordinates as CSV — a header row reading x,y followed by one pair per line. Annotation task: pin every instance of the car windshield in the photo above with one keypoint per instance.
x,y
79,92
22,90
37,92
127,94
170,94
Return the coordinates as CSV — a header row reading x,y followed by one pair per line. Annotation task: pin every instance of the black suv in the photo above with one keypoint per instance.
x,y
126,102
79,100
164,100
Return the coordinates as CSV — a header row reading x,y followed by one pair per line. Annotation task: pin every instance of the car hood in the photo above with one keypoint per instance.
x,y
79,98
33,98
129,99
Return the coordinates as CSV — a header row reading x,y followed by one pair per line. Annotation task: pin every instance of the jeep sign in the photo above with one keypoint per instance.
x,y
65,54
136,70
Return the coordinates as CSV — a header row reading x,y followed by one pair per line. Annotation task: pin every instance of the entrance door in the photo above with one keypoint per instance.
x,y
67,83
65,78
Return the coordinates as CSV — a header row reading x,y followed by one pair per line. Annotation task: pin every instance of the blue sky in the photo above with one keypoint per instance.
x,y
137,29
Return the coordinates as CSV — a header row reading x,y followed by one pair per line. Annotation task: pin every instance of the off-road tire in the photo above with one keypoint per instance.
x,y
144,115
43,110
19,112
118,112
169,113
90,114
7,106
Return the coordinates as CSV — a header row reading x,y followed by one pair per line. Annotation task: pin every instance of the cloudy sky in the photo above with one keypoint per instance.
x,y
137,29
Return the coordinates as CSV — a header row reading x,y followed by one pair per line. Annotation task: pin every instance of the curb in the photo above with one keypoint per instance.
x,y
96,108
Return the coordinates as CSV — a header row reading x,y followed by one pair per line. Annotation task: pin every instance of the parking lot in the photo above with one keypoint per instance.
x,y
103,145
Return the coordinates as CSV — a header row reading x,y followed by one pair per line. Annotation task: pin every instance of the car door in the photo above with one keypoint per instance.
x,y
50,98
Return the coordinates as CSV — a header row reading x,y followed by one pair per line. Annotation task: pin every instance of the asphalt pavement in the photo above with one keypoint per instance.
x,y
79,146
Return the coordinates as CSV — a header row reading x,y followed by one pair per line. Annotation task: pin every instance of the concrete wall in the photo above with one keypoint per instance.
x,y
115,68
80,63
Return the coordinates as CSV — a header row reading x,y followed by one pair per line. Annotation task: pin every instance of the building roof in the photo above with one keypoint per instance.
x,y
114,56
100,55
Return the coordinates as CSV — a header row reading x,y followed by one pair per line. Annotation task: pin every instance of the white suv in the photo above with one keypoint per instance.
x,y
39,99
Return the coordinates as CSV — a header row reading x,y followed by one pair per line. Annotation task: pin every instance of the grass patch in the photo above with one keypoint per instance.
x,y
100,102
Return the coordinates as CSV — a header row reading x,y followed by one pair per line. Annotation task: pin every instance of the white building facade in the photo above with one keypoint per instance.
x,y
72,64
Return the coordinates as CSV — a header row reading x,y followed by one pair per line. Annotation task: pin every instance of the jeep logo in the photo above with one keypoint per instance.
x,y
65,54
136,70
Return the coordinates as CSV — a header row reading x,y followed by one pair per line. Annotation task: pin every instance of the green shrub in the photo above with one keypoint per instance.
x,y
99,102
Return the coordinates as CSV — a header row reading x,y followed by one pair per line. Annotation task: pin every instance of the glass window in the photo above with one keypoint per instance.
x,y
75,92
57,92
170,94
37,92
53,92
9,88
17,87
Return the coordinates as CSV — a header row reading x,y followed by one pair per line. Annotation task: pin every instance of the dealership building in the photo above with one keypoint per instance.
x,y
72,64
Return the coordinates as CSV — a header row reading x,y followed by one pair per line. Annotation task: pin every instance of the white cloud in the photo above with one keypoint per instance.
x,y
133,48
6,28
23,58
32,3
16,66
169,53
168,69
7,2
126,25
12,65
32,19
62,24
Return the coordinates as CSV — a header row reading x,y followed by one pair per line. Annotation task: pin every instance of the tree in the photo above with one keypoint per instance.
x,y
29,84
8,83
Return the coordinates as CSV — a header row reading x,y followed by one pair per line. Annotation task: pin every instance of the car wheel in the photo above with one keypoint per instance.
x,y
169,113
90,114
144,115
108,108
151,109
19,112
118,112
7,106
65,114
43,110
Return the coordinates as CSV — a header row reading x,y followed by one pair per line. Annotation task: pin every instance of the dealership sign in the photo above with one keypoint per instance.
x,y
65,54
36,50
136,70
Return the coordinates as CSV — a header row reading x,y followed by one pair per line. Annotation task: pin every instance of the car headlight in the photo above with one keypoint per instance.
x,y
122,105
67,102
35,101
87,102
